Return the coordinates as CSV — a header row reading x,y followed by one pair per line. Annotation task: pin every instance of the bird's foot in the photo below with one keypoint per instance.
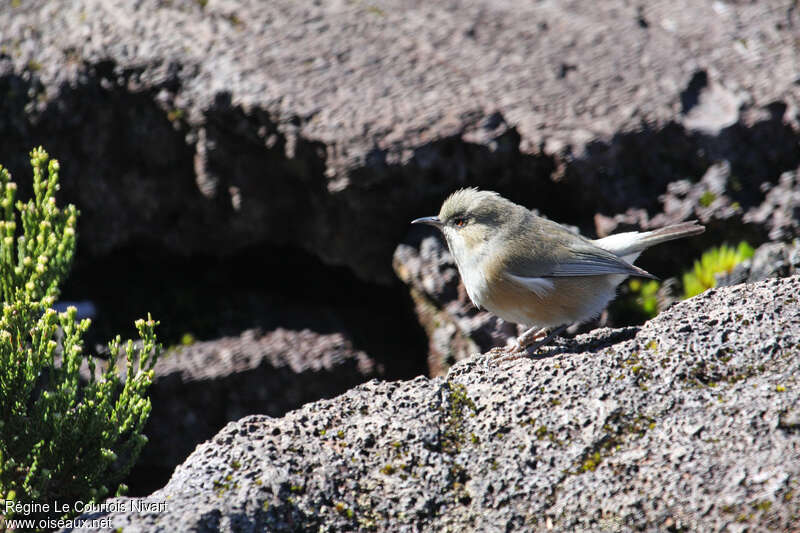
x,y
528,338
526,346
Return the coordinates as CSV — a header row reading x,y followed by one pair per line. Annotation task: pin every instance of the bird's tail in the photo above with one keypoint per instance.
x,y
629,245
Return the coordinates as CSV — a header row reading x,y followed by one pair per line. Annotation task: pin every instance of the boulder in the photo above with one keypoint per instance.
x,y
200,388
207,127
689,422
770,260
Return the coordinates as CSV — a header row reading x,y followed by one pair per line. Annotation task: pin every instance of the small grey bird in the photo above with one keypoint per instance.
x,y
532,271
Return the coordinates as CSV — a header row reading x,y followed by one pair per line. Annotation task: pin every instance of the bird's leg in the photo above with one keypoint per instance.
x,y
531,348
528,349
529,337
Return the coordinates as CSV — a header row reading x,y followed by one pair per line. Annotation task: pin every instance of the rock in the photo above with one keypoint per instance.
x,y
770,260
200,388
208,127
715,202
689,422
780,211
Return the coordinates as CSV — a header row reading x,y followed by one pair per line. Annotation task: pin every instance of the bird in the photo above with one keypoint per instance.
x,y
532,271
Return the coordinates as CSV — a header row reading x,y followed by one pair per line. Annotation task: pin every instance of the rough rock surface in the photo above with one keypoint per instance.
x,y
690,422
780,211
714,201
209,126
200,388
770,260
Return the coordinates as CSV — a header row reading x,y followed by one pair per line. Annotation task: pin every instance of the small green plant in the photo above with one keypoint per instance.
x,y
187,339
645,296
707,198
637,302
60,438
715,261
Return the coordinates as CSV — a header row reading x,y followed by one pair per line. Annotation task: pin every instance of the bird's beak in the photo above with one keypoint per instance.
x,y
432,221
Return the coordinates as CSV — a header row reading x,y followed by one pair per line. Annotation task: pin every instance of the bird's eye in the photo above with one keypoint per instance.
x,y
460,222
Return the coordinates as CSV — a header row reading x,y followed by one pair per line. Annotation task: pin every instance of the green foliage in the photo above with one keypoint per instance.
x,y
187,339
645,296
46,244
59,438
714,261
707,198
637,302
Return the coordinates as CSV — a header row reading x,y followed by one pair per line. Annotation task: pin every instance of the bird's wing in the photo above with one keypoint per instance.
x,y
593,261
567,255
580,258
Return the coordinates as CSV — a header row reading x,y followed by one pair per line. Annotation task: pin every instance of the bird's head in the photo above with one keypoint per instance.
x,y
469,218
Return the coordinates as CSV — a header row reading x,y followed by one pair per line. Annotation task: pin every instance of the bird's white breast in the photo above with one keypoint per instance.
x,y
470,266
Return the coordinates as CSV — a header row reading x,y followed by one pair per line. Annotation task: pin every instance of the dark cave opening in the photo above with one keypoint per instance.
x,y
263,287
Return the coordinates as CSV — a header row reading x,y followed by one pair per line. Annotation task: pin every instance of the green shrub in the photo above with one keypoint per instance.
x,y
636,302
646,295
60,439
712,262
